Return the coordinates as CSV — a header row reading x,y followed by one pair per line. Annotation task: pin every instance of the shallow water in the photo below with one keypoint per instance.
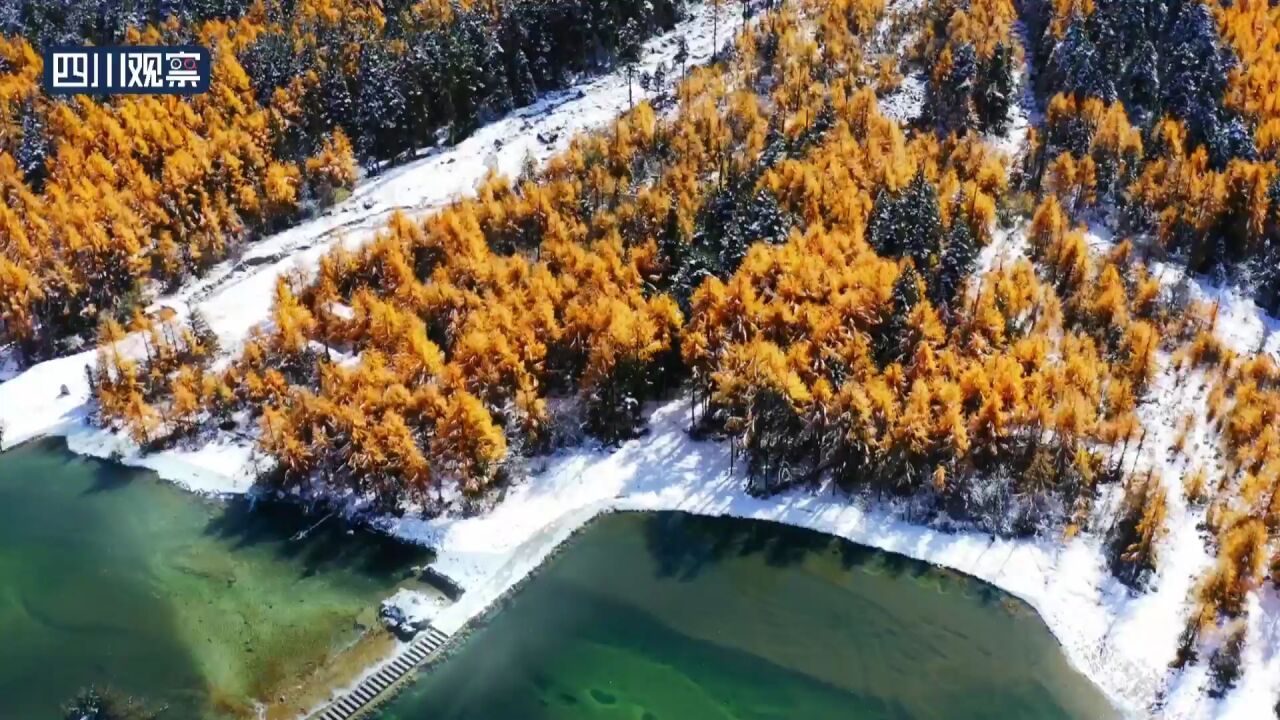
x,y
673,617
110,576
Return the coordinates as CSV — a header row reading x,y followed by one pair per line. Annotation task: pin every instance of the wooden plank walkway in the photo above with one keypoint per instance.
x,y
362,695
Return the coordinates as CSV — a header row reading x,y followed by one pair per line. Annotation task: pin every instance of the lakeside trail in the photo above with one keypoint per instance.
x,y
237,295
1121,640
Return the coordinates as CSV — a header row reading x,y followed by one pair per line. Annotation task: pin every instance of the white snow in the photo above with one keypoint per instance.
x,y
32,405
1241,324
8,363
218,467
414,606
1022,114
906,103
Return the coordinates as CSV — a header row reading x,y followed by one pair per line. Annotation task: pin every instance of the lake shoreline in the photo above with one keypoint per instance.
x,y
495,554
565,505
210,606
844,617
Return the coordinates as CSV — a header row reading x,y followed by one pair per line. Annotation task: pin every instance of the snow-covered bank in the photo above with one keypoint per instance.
x,y
237,295
1068,584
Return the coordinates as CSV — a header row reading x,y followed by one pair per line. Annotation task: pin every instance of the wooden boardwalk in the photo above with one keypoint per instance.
x,y
361,696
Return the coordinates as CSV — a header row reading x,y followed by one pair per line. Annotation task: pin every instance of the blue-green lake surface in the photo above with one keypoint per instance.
x,y
110,576
674,617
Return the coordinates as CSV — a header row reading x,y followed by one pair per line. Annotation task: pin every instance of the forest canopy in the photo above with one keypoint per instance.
x,y
107,201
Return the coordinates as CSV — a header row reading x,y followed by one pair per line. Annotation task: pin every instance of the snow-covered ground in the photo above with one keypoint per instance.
x,y
1143,628
1122,640
906,103
410,610
1244,326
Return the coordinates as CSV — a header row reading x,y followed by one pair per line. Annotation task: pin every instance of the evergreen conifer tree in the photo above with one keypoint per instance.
x,y
908,223
204,334
1076,65
1142,80
629,53
382,104
895,331
958,260
673,249
1195,71
994,93
34,147
953,102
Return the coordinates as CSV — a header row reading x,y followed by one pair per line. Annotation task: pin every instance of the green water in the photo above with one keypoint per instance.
x,y
673,617
109,576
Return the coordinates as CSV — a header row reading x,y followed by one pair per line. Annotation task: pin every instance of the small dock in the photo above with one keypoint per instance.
x,y
359,698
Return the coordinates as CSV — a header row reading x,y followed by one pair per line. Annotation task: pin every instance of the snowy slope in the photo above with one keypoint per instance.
x,y
237,295
1156,617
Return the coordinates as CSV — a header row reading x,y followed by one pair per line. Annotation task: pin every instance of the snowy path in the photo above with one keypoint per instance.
x,y
237,295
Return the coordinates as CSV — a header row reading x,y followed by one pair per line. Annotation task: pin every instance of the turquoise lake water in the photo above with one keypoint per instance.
x,y
110,576
675,617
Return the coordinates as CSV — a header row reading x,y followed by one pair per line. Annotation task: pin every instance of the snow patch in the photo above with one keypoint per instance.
x,y
223,466
408,611
1241,324
8,363
906,103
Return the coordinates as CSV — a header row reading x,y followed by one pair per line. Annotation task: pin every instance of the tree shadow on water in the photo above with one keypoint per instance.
x,y
54,460
108,477
854,556
683,545
316,542
893,565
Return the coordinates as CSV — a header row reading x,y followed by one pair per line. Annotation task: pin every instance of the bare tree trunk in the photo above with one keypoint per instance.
x,y
715,29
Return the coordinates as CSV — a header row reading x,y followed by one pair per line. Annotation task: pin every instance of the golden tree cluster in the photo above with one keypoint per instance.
x,y
1252,29
137,189
451,335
